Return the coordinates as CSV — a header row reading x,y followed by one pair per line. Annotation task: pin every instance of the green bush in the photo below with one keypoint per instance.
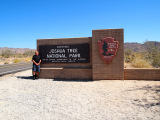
x,y
156,61
6,54
28,53
129,55
153,53
6,62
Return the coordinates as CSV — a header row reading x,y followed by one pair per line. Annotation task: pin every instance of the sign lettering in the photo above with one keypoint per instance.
x,y
78,53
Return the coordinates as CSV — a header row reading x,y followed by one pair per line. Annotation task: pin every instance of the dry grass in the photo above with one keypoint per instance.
x,y
27,59
16,60
140,63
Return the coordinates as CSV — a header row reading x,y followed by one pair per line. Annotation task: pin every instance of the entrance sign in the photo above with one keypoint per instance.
x,y
81,58
107,49
77,53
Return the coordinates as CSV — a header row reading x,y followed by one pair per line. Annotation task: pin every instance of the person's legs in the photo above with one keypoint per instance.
x,y
34,71
36,76
37,71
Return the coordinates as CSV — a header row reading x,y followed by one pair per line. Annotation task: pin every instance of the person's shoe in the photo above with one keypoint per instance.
x,y
36,76
33,77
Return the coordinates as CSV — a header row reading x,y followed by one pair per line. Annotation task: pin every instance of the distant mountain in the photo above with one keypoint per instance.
x,y
16,50
138,47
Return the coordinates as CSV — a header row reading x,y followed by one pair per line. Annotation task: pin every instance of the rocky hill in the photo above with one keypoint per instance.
x,y
138,47
16,50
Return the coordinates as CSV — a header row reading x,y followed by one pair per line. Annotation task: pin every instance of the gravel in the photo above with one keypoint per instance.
x,y
22,98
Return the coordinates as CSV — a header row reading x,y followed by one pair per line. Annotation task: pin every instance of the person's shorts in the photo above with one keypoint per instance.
x,y
36,68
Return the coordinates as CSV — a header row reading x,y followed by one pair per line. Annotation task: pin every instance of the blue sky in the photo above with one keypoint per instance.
x,y
24,21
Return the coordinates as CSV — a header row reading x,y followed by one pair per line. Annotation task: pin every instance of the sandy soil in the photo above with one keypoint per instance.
x,y
22,98
7,60
127,65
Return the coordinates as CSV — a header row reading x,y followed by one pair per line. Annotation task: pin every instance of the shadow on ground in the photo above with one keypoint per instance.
x,y
72,80
155,90
62,80
25,77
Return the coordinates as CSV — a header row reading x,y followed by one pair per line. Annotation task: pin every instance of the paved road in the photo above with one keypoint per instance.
x,y
11,68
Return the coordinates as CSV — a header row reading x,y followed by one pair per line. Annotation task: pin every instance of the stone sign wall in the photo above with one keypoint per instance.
x,y
80,58
81,69
115,69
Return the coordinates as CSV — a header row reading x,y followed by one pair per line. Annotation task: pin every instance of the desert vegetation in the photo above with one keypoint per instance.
x,y
149,57
8,57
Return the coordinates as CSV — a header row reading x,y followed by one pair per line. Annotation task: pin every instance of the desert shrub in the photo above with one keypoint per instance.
x,y
129,55
27,59
7,53
16,60
28,53
129,59
156,60
153,58
19,55
128,52
153,53
140,63
150,53
6,63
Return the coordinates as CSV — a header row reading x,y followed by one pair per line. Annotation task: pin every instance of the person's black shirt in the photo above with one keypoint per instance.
x,y
36,58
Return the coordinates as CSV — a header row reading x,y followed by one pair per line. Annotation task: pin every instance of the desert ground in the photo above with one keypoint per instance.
x,y
22,98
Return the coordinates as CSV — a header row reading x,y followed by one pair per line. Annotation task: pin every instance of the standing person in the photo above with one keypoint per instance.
x,y
36,59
